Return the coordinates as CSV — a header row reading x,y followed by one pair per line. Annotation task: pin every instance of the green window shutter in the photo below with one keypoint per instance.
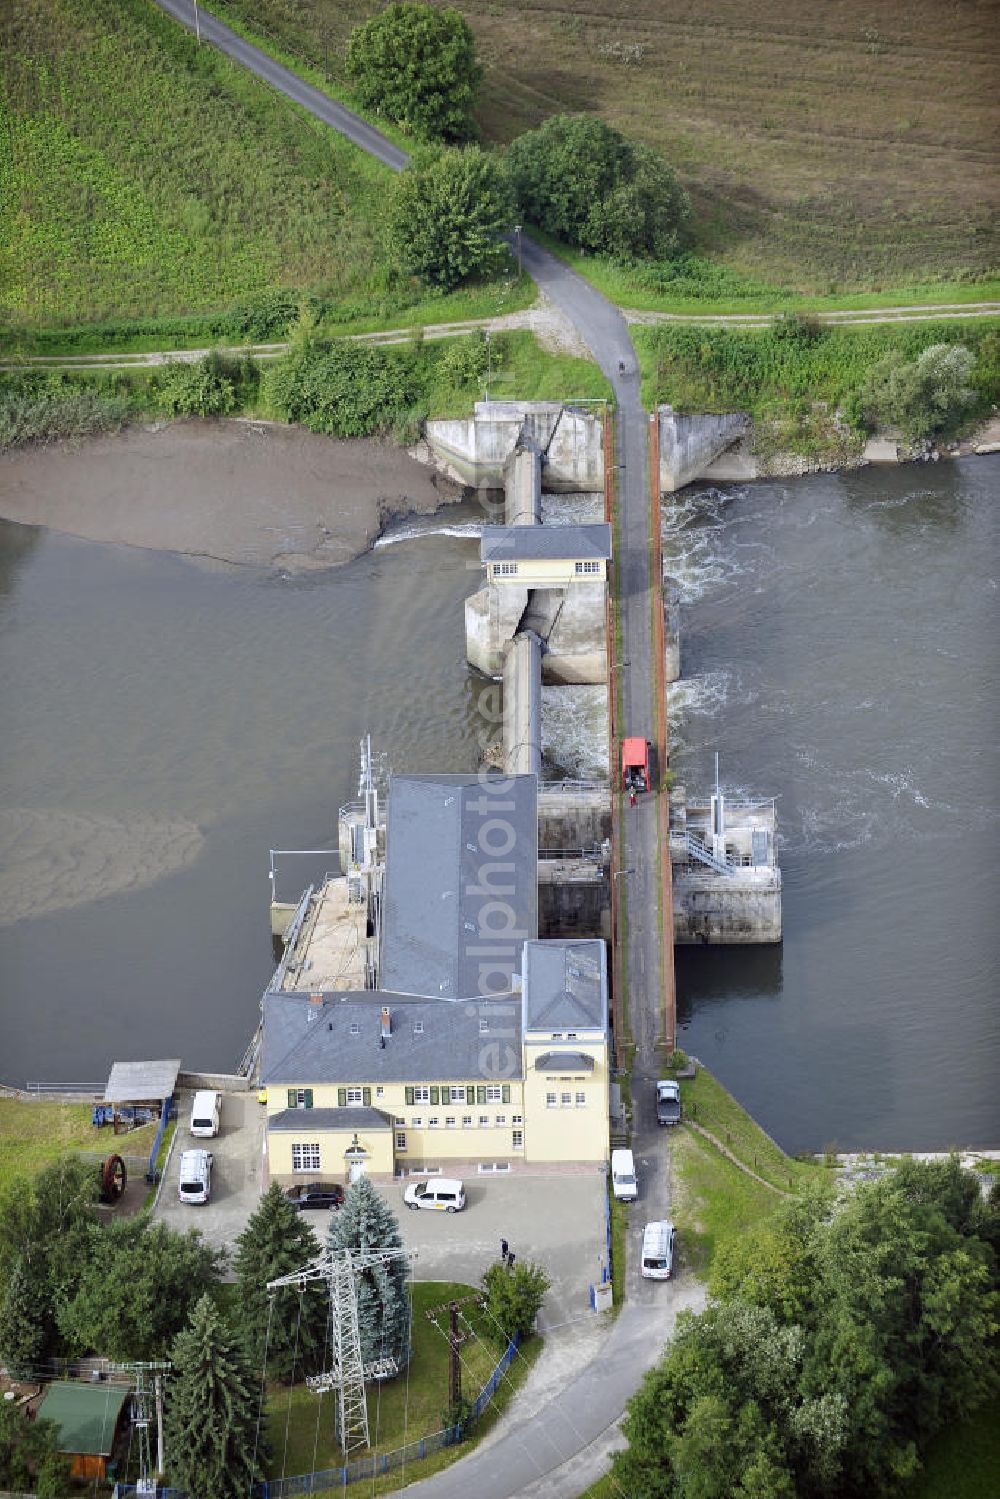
x,y
408,1093
505,1093
435,1095
341,1098
292,1098
481,1093
308,1097
366,1096
470,1094
446,1092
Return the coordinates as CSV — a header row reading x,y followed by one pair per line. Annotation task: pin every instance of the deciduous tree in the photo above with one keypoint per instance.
x,y
582,180
417,64
447,214
514,1297
136,1288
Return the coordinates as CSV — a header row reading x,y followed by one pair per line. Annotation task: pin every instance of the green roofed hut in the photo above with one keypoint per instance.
x,y
88,1418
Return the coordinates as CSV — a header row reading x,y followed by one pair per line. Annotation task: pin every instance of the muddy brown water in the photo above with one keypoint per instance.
x,y
164,726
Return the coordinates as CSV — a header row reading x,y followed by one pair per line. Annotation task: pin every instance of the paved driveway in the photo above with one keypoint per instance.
x,y
556,1220
236,1172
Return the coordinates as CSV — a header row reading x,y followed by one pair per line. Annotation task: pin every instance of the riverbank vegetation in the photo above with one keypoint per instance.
x,y
817,389
340,387
728,1175
843,1333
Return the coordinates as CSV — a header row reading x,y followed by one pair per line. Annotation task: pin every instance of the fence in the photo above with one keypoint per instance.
x,y
365,1467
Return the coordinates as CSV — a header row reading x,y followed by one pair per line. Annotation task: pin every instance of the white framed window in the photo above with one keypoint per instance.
x,y
400,1139
457,1095
354,1095
550,1100
449,1121
417,1122
430,1171
516,1119
418,1027
489,1168
466,1121
565,1099
588,567
484,1121
500,1121
305,1157
433,1122
303,1098
581,1100
517,1139
505,569
379,1092
355,1028
484,1027
494,1095
422,1095
399,1123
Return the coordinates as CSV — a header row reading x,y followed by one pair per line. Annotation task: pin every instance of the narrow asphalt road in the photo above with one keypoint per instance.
x,y
581,1419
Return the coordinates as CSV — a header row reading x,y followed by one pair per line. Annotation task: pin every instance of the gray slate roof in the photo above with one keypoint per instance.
x,y
564,1061
441,887
546,543
302,1120
140,1082
338,1041
565,986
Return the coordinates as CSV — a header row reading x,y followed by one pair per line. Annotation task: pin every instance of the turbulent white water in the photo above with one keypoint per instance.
x,y
575,732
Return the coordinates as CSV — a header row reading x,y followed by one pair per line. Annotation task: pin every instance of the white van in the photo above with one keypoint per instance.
x,y
623,1182
442,1193
658,1242
205,1114
195,1176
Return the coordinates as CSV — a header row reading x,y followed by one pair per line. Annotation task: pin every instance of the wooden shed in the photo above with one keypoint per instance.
x,y
88,1418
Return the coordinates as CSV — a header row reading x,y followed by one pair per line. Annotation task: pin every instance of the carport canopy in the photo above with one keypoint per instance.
x,y
142,1082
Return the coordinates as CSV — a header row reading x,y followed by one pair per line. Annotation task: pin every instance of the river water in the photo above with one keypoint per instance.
x,y
165,725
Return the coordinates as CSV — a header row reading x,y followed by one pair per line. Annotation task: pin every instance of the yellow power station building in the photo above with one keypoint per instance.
x,y
482,1049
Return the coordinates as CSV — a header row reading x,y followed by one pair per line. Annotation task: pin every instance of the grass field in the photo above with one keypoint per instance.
x,y
33,1135
148,176
713,1200
964,1462
826,148
401,1410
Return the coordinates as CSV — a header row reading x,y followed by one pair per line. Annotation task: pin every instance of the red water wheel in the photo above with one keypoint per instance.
x,y
114,1178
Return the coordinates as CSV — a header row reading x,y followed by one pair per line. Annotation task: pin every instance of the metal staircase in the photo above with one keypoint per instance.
x,y
698,849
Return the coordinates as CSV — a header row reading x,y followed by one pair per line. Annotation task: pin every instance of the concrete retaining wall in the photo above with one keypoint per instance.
x,y
475,450
725,914
222,1082
690,445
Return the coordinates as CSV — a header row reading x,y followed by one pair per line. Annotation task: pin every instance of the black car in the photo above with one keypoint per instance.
x,y
316,1195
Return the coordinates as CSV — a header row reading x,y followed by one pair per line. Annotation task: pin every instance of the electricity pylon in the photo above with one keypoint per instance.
x,y
346,1375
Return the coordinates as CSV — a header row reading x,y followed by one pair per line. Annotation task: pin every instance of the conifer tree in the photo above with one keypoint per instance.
x,y
365,1222
276,1241
211,1432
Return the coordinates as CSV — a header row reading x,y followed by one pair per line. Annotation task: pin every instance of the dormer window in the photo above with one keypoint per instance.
x,y
355,1028
484,1027
418,1027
